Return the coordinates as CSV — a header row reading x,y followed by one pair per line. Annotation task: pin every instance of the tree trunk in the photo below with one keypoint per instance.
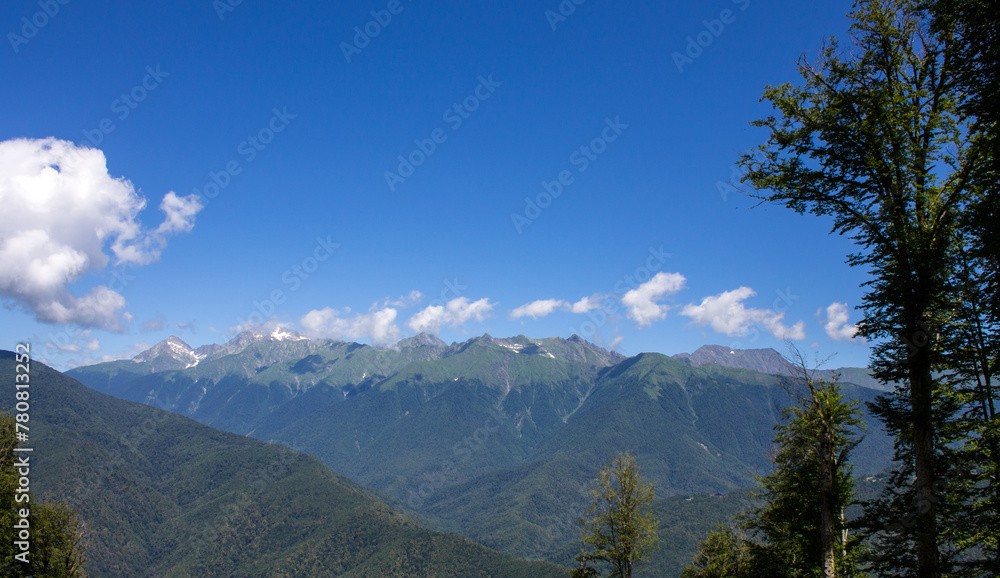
x,y
921,403
827,501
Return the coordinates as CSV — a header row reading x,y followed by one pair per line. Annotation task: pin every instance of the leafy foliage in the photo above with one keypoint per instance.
x,y
621,529
879,138
801,529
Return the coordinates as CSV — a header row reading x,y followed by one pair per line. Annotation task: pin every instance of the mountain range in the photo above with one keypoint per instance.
x,y
162,495
492,438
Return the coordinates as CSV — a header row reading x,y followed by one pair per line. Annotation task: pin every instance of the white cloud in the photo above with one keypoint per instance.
x,y
836,326
642,301
378,326
63,209
410,300
455,313
537,309
543,307
586,304
726,314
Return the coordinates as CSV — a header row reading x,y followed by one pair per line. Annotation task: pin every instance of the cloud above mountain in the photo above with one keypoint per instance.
x,y
642,304
379,326
725,313
537,309
545,307
65,217
454,313
835,322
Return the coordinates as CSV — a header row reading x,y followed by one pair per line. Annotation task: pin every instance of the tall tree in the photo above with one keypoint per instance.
x,y
800,529
621,529
975,338
874,139
811,485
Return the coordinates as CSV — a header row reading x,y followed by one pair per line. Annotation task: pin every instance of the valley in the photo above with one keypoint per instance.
x,y
495,439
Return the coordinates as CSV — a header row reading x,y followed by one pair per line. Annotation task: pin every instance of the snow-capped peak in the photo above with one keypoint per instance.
x,y
172,347
282,334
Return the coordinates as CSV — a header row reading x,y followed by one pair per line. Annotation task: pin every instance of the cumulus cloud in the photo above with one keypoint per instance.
x,y
726,314
64,210
455,313
586,304
537,309
835,324
543,307
641,302
378,326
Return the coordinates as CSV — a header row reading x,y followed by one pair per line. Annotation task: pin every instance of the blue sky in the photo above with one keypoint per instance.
x,y
185,168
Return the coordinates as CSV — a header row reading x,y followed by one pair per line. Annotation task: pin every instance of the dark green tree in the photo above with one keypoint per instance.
x,y
802,520
57,537
621,528
875,139
975,336
725,553
800,529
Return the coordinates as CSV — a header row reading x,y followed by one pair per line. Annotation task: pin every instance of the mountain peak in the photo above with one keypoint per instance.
x,y
169,346
171,353
421,340
764,360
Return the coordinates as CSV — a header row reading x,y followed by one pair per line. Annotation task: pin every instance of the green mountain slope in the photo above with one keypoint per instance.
x,y
693,430
163,495
494,438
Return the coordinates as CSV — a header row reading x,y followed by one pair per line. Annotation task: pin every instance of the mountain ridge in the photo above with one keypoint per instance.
x,y
164,495
429,427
